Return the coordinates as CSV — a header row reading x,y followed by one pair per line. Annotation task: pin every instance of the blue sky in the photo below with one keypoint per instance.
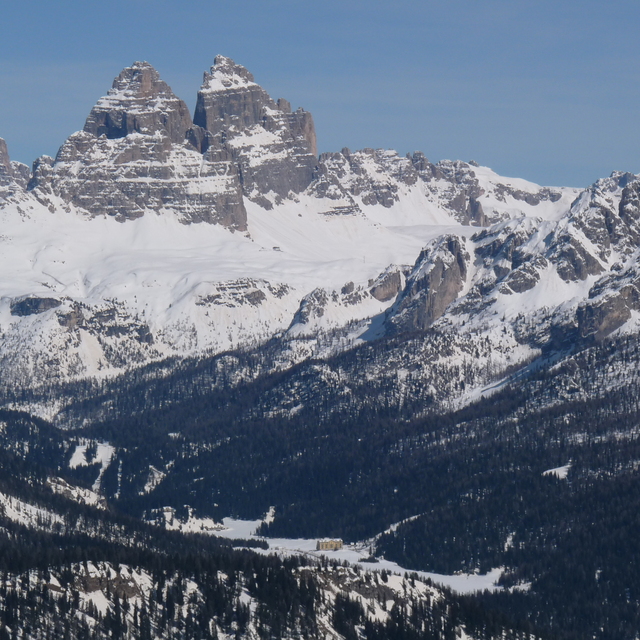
x,y
542,90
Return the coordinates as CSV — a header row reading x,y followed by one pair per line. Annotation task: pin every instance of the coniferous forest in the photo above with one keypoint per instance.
x,y
473,488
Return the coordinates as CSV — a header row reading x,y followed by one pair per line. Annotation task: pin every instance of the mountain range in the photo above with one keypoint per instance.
x,y
152,234
202,318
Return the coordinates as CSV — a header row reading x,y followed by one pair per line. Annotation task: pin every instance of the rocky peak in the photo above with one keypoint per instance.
x,y
225,73
14,176
5,162
140,80
229,97
139,102
273,147
134,156
437,278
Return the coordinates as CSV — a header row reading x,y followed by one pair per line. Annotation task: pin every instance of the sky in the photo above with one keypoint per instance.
x,y
542,90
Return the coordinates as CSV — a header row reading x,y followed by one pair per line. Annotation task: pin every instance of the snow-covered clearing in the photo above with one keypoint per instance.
x,y
26,514
559,472
102,456
354,554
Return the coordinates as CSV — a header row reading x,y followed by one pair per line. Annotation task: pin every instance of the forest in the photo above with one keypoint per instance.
x,y
474,482
99,574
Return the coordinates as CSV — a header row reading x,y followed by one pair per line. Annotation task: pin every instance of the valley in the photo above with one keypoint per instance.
x,y
217,347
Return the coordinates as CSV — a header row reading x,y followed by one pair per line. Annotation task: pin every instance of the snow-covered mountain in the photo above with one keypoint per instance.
x,y
434,363
154,235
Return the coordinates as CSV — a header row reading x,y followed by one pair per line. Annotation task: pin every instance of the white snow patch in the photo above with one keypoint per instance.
x,y
103,455
154,478
558,472
192,524
27,514
356,554
77,494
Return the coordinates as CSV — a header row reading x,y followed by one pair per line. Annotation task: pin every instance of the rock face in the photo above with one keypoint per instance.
x,y
14,176
5,163
388,284
468,194
614,235
139,102
132,157
366,177
609,306
273,148
438,277
32,306
590,254
463,190
140,151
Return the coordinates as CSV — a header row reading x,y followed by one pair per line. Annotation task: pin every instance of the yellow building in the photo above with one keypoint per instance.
x,y
329,544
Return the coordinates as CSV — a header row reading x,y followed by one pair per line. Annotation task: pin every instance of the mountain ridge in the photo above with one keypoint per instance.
x,y
213,321
361,244
316,235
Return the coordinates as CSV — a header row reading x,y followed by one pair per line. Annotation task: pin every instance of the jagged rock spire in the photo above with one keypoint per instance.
x,y
274,148
5,162
140,151
132,158
139,102
229,97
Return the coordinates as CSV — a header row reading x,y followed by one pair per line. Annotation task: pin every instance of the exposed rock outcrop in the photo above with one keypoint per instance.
x,y
14,176
469,194
369,176
438,277
5,162
274,148
604,221
132,157
611,302
461,197
140,151
139,102
21,174
32,306
388,284
460,191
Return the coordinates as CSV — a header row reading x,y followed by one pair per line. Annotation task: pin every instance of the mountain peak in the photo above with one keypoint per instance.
x,y
139,101
225,74
139,80
132,158
5,163
275,148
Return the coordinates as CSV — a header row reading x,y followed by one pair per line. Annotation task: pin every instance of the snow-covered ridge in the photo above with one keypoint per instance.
x,y
104,295
235,232
225,74
28,515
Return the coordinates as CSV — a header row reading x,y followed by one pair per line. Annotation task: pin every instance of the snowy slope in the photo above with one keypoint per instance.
x,y
192,288
113,257
155,287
